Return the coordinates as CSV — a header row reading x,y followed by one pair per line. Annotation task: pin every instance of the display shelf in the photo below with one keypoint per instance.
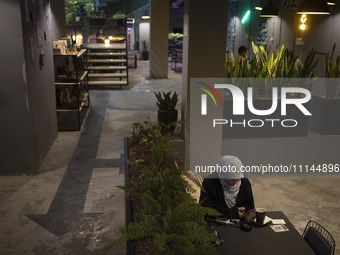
x,y
72,93
82,102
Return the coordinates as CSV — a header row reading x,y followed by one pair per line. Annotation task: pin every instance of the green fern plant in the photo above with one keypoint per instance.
x,y
172,220
166,102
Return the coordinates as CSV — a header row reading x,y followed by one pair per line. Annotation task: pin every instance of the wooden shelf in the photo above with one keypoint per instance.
x,y
81,105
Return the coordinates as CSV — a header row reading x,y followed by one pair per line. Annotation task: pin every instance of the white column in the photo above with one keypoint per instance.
x,y
159,29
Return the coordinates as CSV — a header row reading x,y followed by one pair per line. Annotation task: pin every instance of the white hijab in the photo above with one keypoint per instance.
x,y
230,192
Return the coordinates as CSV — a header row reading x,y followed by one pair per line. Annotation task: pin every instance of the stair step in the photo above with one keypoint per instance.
x,y
106,54
107,75
120,83
107,68
106,61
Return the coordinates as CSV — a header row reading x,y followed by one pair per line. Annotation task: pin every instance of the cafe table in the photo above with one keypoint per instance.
x,y
261,240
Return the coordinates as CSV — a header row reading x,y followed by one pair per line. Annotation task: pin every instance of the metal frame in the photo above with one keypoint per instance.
x,y
323,233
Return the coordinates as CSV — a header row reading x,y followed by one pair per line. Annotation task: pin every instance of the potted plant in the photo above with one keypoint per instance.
x,y
273,69
145,50
325,109
167,112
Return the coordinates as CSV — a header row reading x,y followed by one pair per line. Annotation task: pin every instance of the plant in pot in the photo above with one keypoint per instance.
x,y
325,115
145,50
167,112
265,71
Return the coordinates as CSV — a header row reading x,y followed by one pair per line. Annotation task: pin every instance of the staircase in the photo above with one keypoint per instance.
x,y
107,65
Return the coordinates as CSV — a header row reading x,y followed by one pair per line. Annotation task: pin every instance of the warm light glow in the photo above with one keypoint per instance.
x,y
259,8
303,20
268,16
303,27
110,37
312,12
107,41
79,40
330,3
145,17
245,17
73,37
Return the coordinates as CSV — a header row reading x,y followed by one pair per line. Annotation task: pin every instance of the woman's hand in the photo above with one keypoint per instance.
x,y
242,213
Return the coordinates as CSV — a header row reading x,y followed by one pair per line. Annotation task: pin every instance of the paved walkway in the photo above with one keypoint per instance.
x,y
72,205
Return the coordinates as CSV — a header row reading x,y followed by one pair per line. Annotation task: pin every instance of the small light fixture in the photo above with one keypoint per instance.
x,y
146,17
331,3
110,37
107,41
303,20
245,17
259,8
313,7
269,10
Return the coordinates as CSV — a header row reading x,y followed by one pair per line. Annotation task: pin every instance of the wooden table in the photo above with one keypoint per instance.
x,y
262,240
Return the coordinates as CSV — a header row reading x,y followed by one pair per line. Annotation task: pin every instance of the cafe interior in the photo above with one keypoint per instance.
x,y
80,80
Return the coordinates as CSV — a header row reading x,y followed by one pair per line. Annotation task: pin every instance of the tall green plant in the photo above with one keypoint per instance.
x,y
269,65
332,68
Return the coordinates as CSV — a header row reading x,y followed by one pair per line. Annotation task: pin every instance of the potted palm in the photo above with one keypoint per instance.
x,y
167,112
326,119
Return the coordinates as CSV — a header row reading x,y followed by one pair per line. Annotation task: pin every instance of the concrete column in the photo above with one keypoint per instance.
x,y
159,29
204,44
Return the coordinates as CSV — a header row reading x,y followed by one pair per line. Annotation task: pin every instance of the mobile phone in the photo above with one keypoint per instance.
x,y
249,211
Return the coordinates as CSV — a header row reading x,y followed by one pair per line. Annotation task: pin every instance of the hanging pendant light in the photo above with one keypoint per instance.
x,y
313,7
269,10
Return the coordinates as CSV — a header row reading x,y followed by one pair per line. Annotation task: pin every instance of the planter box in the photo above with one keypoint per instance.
x,y
325,115
129,244
239,131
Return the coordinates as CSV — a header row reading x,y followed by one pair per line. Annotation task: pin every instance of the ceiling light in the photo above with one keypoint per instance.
x,y
313,7
331,3
145,17
269,10
245,17
259,8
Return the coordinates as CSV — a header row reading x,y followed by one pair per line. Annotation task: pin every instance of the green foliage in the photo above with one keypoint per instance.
x,y
332,68
279,64
145,45
119,15
166,102
145,133
177,36
71,7
172,219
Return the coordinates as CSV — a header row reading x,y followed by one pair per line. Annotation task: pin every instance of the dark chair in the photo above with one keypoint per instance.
x,y
319,239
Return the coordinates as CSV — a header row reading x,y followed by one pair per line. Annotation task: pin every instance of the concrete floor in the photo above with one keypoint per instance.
x,y
67,207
